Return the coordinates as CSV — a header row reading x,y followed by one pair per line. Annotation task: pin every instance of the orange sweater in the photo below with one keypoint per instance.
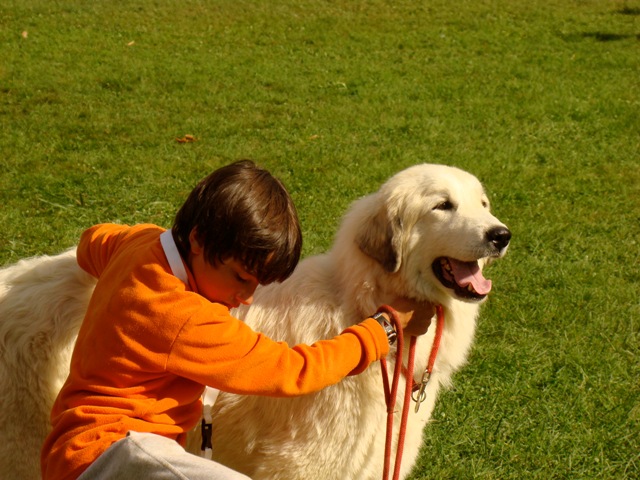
x,y
149,344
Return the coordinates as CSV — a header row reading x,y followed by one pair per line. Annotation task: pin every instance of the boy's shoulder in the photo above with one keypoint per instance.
x,y
101,244
119,232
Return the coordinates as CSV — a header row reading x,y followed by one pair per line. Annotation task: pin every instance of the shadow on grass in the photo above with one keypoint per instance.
x,y
629,11
600,36
608,37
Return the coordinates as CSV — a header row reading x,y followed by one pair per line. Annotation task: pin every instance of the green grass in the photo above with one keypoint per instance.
x,y
539,99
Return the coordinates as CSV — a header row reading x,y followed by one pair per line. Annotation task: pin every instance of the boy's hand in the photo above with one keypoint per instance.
x,y
414,317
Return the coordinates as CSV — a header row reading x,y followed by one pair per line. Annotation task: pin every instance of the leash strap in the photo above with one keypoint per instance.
x,y
391,395
419,390
206,425
391,391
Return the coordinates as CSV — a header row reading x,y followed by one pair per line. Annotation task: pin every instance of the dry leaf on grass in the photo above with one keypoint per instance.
x,y
187,139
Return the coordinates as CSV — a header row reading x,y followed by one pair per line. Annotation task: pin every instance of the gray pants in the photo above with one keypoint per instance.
x,y
148,456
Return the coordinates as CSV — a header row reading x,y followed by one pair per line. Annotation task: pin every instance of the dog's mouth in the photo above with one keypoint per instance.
x,y
464,278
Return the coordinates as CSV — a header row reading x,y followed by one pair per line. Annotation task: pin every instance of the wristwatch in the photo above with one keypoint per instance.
x,y
388,328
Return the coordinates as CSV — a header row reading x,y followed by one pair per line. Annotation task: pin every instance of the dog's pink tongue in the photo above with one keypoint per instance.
x,y
468,273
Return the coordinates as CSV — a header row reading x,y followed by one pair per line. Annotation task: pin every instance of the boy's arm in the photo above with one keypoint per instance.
x,y
231,357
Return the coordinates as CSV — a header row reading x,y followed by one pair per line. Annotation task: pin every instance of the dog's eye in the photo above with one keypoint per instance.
x,y
485,204
446,205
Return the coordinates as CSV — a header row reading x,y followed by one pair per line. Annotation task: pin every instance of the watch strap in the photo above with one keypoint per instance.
x,y
388,327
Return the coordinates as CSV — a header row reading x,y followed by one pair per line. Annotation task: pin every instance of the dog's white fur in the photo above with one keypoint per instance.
x,y
42,304
384,249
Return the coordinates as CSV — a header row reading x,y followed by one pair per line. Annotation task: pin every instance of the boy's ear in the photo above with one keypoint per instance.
x,y
194,242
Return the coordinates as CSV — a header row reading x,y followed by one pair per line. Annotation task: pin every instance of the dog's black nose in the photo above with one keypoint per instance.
x,y
499,237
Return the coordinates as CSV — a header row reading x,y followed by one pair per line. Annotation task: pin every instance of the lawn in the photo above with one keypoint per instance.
x,y
539,99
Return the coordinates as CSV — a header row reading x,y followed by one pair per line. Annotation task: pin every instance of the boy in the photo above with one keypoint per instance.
x,y
158,329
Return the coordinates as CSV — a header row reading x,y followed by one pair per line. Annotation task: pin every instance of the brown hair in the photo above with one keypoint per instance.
x,y
241,211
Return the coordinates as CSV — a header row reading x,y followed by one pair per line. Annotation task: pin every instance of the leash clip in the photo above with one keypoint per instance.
x,y
419,393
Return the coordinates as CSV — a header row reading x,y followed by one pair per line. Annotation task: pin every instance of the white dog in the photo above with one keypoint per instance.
x,y
426,234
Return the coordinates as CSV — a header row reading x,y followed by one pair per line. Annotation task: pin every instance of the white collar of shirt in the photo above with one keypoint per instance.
x,y
173,257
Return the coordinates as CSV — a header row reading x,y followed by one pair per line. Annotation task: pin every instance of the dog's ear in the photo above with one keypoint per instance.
x,y
380,237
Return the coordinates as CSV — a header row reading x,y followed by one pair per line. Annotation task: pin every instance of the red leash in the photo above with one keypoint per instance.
x,y
410,387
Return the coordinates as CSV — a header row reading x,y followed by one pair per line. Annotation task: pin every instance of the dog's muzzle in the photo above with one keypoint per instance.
x,y
499,238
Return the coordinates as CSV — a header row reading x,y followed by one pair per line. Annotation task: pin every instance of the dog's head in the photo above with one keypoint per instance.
x,y
430,228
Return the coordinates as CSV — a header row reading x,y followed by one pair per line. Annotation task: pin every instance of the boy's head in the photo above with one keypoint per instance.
x,y
242,212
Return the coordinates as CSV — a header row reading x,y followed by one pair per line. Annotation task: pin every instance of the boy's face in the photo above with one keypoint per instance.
x,y
226,282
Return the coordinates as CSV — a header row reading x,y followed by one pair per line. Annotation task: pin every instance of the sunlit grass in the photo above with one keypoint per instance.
x,y
537,98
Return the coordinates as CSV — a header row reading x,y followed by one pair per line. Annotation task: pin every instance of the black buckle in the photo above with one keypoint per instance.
x,y
206,430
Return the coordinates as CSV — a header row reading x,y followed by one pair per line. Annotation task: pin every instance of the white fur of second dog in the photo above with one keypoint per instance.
x,y
42,304
390,244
